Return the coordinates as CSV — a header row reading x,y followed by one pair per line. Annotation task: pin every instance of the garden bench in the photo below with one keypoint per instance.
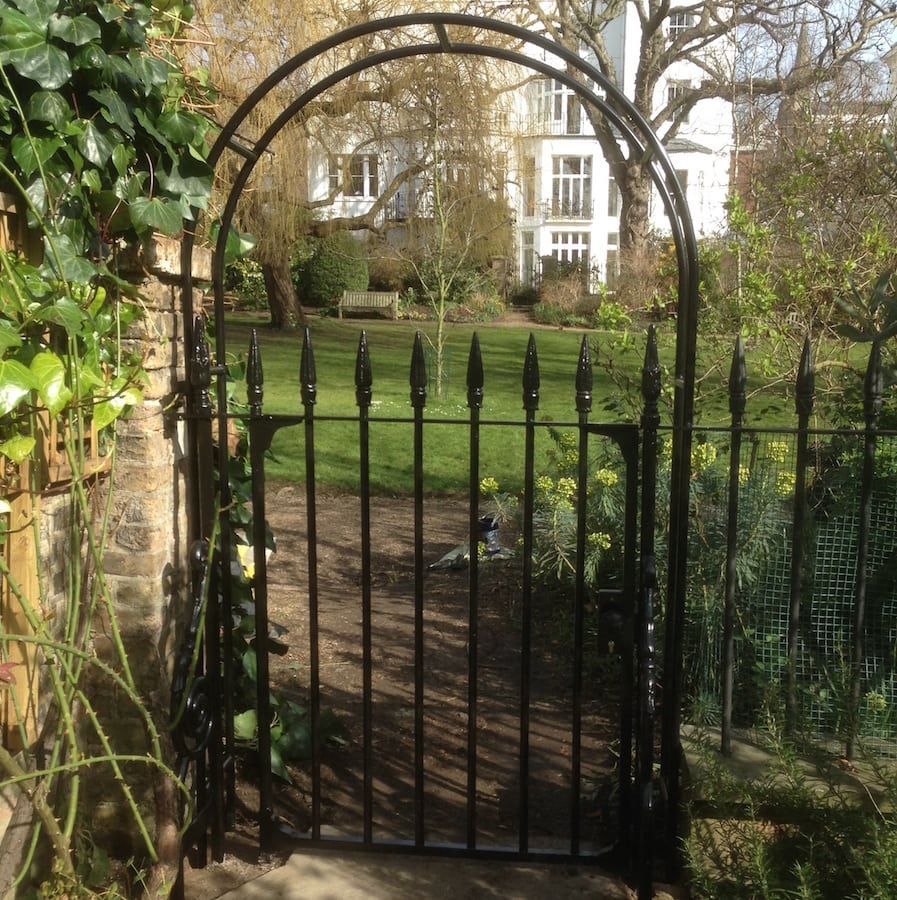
x,y
371,301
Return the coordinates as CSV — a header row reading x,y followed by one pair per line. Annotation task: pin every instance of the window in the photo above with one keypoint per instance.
x,y
528,257
355,175
571,247
528,185
559,108
680,22
612,268
614,199
675,90
571,187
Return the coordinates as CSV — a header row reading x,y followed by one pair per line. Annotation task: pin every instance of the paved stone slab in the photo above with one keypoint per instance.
x,y
378,876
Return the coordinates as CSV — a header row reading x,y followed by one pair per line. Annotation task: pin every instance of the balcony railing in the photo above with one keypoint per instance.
x,y
581,211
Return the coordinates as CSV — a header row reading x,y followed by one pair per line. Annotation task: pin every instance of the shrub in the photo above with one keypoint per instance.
x,y
244,278
337,264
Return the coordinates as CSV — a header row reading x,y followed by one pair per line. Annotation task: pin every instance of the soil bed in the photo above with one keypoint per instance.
x,y
445,674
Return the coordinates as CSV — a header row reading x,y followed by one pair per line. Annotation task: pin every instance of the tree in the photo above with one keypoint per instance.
x,y
374,112
740,50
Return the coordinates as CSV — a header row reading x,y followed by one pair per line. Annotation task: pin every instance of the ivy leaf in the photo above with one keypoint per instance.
x,y
16,383
121,159
114,111
49,372
9,335
31,153
78,30
178,125
246,726
48,106
151,72
43,63
39,11
63,260
107,410
157,214
96,146
18,448
65,313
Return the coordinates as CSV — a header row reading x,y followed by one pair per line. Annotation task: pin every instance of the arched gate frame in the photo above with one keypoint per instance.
x,y
206,748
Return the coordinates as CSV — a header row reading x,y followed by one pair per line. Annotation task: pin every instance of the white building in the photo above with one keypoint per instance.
x,y
563,200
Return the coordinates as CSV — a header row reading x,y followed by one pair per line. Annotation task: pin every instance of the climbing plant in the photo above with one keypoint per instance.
x,y
103,143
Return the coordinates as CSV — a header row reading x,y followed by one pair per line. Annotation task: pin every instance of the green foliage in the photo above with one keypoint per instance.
x,y
291,732
100,149
337,264
611,316
810,826
101,142
244,278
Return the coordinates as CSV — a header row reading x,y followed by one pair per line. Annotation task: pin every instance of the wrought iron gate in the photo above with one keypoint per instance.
x,y
202,707
625,620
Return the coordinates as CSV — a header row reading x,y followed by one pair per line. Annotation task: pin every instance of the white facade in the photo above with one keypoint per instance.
x,y
564,202
568,206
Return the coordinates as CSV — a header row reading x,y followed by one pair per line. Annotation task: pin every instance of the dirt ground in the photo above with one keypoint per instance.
x,y
444,677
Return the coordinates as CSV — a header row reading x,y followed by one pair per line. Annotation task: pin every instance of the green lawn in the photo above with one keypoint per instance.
x,y
617,376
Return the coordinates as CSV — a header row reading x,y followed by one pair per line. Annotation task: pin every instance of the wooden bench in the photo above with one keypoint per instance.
x,y
371,301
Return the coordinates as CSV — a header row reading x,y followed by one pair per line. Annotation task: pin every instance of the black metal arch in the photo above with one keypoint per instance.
x,y
643,143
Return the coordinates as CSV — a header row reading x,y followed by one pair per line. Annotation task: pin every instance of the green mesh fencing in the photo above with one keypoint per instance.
x,y
763,597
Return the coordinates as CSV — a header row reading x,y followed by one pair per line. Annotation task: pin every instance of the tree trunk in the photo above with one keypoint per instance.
x,y
635,224
282,300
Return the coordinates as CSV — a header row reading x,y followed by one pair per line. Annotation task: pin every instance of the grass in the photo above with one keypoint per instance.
x,y
617,361
335,345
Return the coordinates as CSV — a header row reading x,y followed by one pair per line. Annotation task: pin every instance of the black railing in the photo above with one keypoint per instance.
x,y
800,522
631,839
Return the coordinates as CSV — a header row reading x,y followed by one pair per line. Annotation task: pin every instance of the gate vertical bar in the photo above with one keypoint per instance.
x,y
584,380
210,764
418,381
309,389
737,402
804,396
474,404
258,445
530,405
872,399
363,393
645,623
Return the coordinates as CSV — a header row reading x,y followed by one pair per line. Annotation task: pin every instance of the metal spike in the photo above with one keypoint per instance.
x,y
255,377
738,380
475,374
531,376
873,387
363,374
806,381
651,370
584,378
201,365
418,378
307,374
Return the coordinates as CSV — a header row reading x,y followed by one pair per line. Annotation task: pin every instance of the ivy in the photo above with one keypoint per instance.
x,y
105,140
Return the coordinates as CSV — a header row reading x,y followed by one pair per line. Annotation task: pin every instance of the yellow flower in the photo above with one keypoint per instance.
x,y
566,488
545,483
784,483
665,451
702,456
568,441
777,451
744,473
598,540
606,477
876,702
488,485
